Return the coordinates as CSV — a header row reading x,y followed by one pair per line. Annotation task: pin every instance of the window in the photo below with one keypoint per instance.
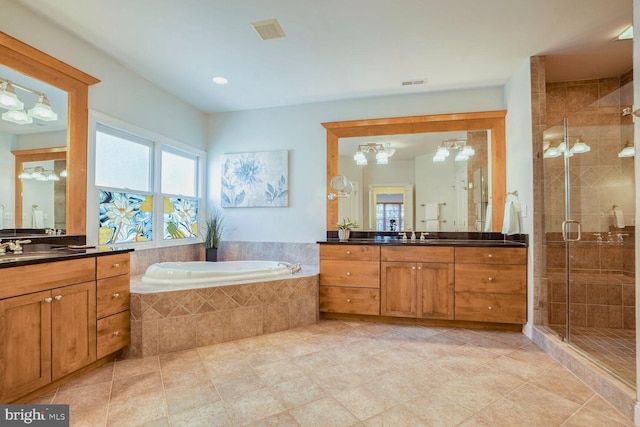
x,y
122,160
147,187
389,216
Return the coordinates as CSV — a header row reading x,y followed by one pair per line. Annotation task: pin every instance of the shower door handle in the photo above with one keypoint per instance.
x,y
564,230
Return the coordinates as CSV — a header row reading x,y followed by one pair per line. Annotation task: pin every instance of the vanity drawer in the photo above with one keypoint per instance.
x,y
349,300
112,265
113,295
491,307
350,252
491,255
416,254
360,274
490,278
113,333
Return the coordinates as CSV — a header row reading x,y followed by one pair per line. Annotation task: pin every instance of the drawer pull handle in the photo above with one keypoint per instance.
x,y
490,279
116,333
58,297
348,273
116,295
48,299
348,252
490,255
116,265
348,299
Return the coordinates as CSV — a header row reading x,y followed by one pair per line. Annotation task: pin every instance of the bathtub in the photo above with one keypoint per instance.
x,y
190,273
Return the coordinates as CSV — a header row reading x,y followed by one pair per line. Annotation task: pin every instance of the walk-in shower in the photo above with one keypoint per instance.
x,y
589,231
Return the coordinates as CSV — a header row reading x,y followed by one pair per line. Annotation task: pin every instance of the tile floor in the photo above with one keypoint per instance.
x,y
341,374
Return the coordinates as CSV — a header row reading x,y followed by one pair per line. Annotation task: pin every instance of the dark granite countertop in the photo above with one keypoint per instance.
x,y
39,254
470,239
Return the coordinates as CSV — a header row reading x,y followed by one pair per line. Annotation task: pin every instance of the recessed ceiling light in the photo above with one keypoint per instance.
x,y
626,34
220,80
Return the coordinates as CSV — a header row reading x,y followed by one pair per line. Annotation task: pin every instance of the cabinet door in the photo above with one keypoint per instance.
x,y
25,344
398,289
435,290
73,328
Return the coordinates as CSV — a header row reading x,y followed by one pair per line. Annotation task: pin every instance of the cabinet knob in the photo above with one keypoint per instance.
x,y
348,273
490,308
348,252
116,333
419,268
413,268
116,265
58,297
116,295
348,299
490,279
490,255
48,299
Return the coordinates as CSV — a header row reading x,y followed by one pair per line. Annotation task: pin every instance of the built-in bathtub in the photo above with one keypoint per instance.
x,y
183,275
234,302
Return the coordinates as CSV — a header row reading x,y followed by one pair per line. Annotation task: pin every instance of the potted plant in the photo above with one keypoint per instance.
x,y
214,228
344,228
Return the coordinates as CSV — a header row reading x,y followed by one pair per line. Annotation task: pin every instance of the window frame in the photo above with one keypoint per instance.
x,y
159,143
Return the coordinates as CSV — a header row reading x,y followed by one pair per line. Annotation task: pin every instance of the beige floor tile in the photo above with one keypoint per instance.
x,y
88,405
237,383
99,375
518,368
334,378
277,372
213,414
297,392
470,396
280,420
587,417
598,404
560,381
137,409
132,367
265,356
191,396
396,416
326,412
361,402
437,410
194,373
253,406
175,360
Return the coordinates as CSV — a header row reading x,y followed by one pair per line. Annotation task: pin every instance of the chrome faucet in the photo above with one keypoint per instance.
x,y
621,237
293,268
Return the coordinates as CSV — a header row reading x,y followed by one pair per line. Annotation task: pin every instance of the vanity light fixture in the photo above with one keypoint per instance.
x,y
464,151
629,150
579,147
39,174
382,152
16,114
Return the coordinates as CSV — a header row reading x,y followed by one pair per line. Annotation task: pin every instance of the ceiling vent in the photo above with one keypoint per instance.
x,y
414,82
269,29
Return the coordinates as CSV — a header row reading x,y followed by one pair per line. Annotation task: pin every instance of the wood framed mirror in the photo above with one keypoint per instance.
x,y
34,63
494,121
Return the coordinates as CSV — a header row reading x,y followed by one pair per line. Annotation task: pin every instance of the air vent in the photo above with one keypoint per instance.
x,y
414,82
269,29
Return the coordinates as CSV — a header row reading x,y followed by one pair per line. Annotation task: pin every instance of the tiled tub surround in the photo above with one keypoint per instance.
x,y
165,322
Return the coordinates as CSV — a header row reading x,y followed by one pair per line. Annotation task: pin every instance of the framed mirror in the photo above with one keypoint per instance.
x,y
34,64
482,130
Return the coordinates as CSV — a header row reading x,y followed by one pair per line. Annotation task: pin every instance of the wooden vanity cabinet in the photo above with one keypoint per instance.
x,y
50,332
417,282
491,284
350,279
113,303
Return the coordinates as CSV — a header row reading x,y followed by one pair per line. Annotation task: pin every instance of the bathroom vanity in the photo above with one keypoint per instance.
x,y
61,313
446,281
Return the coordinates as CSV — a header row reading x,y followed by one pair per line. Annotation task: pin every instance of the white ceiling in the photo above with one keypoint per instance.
x,y
340,49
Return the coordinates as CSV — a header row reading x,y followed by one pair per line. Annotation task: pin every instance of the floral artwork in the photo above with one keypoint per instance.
x,y
180,218
125,218
256,179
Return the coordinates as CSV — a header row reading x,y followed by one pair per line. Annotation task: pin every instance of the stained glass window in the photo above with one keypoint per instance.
x,y
125,218
180,218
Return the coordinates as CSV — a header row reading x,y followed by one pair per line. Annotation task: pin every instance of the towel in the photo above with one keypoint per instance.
x,y
618,218
37,218
511,223
433,225
431,211
487,220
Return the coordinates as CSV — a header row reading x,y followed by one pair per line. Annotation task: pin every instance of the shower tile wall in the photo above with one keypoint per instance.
x,y
603,290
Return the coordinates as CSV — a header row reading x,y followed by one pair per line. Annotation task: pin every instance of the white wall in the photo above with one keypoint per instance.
x,y
299,129
121,93
7,171
520,159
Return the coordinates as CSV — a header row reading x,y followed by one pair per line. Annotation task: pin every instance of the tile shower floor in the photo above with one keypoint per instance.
x,y
341,374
